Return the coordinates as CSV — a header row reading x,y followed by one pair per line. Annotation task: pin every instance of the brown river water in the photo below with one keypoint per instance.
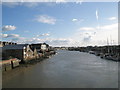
x,y
67,69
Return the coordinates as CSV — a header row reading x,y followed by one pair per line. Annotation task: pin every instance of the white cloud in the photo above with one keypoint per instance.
x,y
112,18
22,3
109,27
87,28
4,35
79,1
97,17
74,20
44,34
60,1
105,27
20,40
50,41
0,2
30,4
77,20
94,36
59,41
87,39
10,35
45,19
83,37
11,4
8,28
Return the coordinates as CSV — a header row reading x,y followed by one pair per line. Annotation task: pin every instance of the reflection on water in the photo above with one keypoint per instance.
x,y
68,69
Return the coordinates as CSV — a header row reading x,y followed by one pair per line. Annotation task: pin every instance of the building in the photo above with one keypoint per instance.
x,y
40,47
20,51
1,44
35,53
6,43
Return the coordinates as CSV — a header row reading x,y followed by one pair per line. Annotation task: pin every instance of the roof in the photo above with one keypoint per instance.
x,y
18,46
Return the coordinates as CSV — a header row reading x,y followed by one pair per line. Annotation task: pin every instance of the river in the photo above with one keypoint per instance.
x,y
68,69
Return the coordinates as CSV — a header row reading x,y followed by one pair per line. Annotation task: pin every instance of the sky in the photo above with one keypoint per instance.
x,y
61,24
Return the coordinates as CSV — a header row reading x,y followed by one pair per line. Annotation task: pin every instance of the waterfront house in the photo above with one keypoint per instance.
x,y
35,53
40,47
20,51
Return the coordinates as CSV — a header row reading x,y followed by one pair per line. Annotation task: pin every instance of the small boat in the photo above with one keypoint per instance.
x,y
91,52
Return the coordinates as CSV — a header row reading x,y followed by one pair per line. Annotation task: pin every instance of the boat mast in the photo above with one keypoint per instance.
x,y
108,46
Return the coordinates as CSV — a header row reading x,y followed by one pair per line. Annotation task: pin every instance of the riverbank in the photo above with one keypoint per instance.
x,y
14,62
105,52
7,75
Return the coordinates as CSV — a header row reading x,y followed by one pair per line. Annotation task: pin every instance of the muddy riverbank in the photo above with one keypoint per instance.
x,y
8,75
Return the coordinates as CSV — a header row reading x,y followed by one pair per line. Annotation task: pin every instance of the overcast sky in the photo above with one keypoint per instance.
x,y
61,24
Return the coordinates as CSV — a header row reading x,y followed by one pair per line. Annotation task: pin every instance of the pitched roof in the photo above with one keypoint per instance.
x,y
18,46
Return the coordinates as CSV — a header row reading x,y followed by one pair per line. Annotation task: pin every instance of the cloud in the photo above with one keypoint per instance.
x,y
74,20
0,2
109,27
87,28
105,27
59,41
4,35
60,1
50,41
45,19
22,3
30,4
79,1
44,34
19,40
77,20
85,36
112,18
93,36
8,28
87,39
10,4
97,17
10,35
